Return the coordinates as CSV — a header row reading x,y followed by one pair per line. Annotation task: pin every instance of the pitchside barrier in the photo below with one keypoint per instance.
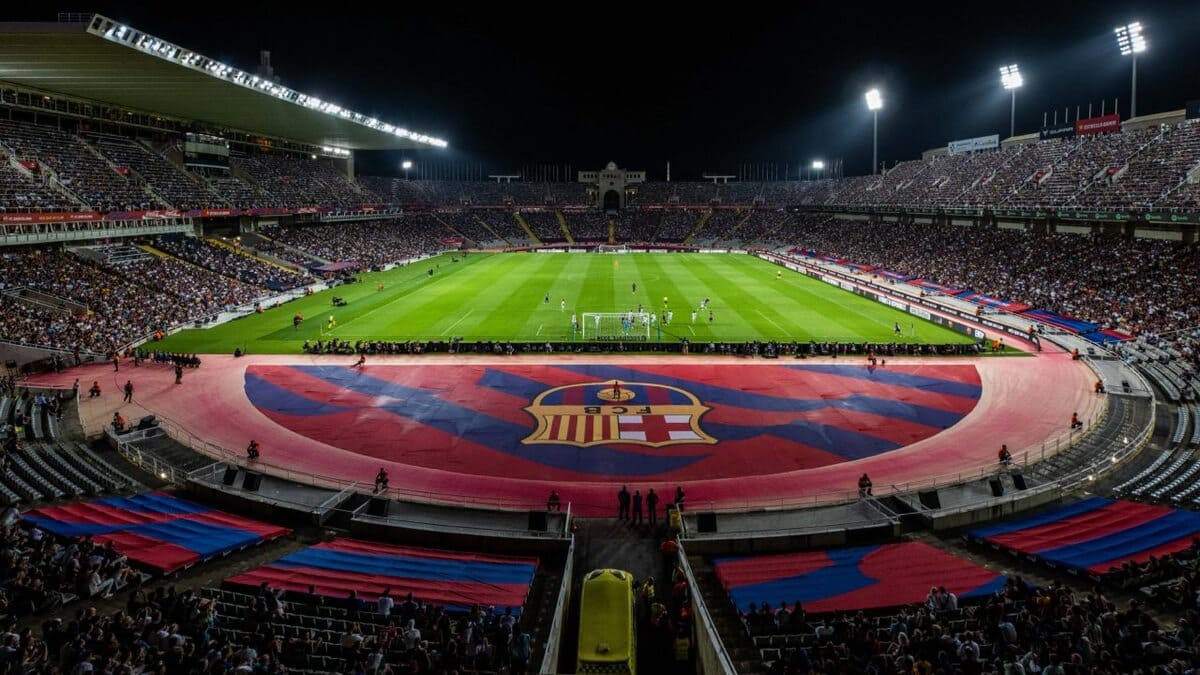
x,y
643,343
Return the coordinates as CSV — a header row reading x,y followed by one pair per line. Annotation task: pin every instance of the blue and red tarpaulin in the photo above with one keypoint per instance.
x,y
935,287
453,579
852,578
993,303
1067,323
1097,534
896,276
156,529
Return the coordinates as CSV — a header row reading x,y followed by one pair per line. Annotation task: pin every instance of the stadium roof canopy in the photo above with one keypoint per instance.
x,y
106,61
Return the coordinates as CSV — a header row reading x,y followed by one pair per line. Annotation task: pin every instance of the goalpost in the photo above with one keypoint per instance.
x,y
616,326
612,248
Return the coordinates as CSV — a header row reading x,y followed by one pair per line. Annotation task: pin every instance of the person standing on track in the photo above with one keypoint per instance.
x,y
128,391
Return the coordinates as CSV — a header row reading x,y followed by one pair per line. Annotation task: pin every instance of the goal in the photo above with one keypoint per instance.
x,y
616,326
612,248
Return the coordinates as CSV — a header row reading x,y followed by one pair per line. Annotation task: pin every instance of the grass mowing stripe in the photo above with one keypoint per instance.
x,y
500,297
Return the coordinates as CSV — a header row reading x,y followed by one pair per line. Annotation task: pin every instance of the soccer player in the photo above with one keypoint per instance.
x,y
897,328
379,286
778,275
546,299
596,320
330,323
670,316
562,305
635,287
693,316
574,324
664,301
710,316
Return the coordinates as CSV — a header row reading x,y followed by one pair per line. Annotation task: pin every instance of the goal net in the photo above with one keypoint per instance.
x,y
616,326
612,248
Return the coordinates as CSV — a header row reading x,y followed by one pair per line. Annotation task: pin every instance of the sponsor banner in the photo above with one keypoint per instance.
x,y
1106,216
979,335
1060,131
68,217
213,213
1193,109
30,164
973,144
1165,217
893,303
923,313
455,241
1098,125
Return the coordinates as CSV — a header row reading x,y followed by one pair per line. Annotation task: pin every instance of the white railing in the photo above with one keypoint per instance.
x,y
710,649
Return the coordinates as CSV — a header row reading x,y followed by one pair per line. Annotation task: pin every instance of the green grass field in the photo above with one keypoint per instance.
x,y
501,297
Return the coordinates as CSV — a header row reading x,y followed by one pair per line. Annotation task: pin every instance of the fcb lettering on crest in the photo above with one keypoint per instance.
x,y
595,413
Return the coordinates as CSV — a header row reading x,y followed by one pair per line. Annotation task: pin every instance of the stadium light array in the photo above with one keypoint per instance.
x,y
1010,77
114,31
1131,42
406,165
337,152
874,103
818,165
1130,39
874,100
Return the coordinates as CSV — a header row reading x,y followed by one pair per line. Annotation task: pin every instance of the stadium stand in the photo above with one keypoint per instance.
x,y
867,577
155,529
172,184
451,579
368,244
1096,535
80,170
228,262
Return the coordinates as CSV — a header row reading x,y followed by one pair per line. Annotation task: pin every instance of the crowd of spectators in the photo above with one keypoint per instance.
x,y
111,310
22,193
230,263
82,173
1139,286
1020,630
544,225
369,244
587,226
42,572
293,180
170,182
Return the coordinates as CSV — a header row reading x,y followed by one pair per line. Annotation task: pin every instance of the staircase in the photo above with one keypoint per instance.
x,y
562,224
725,618
734,230
484,225
240,250
525,226
699,226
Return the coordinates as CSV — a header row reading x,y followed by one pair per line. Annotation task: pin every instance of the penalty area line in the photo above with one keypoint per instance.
x,y
460,320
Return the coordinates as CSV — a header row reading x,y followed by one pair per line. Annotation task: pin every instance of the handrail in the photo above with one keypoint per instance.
x,y
554,637
723,662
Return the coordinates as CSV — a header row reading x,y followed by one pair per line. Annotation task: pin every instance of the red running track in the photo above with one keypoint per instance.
x,y
733,433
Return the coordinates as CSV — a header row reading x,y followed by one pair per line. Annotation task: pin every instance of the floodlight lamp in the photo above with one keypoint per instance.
x,y
1130,39
406,165
1010,77
874,100
817,165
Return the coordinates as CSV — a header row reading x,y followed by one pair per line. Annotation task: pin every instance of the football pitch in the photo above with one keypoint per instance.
x,y
502,296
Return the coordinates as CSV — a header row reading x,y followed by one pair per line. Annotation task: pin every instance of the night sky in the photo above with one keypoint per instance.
x,y
709,90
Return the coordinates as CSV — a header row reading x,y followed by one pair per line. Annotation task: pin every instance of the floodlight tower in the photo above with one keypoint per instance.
x,y
406,165
1131,42
874,103
818,165
1010,77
